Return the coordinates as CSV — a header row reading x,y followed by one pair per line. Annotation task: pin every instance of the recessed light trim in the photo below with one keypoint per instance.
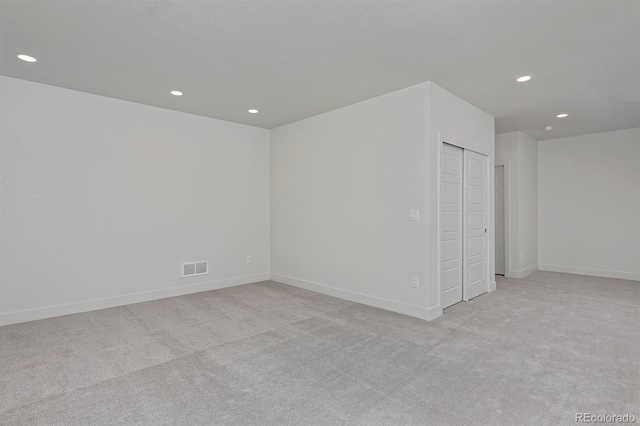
x,y
176,93
563,115
547,128
253,111
523,78
26,58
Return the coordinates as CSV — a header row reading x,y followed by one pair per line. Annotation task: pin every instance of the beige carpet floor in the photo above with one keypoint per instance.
x,y
535,352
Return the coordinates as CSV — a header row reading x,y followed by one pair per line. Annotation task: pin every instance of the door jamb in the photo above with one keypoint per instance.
x,y
507,217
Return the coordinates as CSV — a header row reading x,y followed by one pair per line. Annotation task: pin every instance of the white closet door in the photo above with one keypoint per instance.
x,y
475,258
499,222
451,225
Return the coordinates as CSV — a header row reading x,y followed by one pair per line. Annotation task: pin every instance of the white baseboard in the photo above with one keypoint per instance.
x,y
365,299
605,273
523,272
128,299
492,286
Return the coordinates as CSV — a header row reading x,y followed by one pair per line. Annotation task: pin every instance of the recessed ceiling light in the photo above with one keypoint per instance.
x,y
547,128
253,111
176,93
523,78
26,58
563,115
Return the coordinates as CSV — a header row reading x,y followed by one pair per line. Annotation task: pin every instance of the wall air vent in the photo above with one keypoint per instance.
x,y
195,268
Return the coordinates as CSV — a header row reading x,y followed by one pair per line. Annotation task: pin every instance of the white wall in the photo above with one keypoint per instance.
x,y
341,187
589,201
342,184
519,154
102,200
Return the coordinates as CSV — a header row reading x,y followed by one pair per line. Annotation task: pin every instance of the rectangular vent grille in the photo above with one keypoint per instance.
x,y
201,268
195,268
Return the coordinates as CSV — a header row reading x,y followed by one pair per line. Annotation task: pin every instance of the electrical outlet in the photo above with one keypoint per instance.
x,y
248,259
416,282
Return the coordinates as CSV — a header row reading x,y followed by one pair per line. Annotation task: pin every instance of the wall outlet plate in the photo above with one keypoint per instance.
x,y
416,282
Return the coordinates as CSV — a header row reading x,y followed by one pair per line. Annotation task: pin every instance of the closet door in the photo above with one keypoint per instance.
x,y
475,241
451,225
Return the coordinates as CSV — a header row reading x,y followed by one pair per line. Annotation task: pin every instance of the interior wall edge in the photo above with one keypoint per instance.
x,y
523,272
365,299
127,299
603,273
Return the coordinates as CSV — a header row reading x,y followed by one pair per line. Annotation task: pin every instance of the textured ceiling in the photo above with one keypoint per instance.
x,y
292,59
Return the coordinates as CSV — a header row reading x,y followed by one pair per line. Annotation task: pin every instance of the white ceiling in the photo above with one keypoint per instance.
x,y
293,59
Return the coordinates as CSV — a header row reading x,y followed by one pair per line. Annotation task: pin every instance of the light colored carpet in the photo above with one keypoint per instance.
x,y
534,352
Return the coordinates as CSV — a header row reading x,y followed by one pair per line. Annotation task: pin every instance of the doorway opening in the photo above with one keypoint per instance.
x,y
500,222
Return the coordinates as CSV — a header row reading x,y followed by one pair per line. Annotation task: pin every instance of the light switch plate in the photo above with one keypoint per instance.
x,y
414,214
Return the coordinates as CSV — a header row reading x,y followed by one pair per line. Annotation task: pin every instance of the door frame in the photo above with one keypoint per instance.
x,y
435,228
507,217
505,213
